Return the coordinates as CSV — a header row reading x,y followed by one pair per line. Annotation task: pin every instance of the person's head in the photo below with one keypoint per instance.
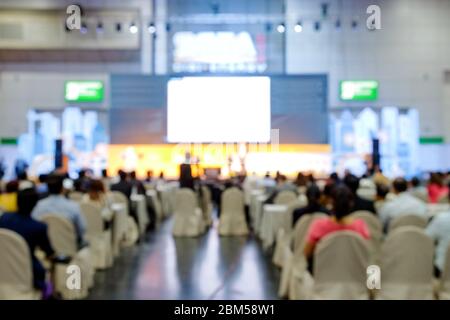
x,y
26,201
400,185
22,176
301,180
382,191
334,177
55,184
281,179
149,174
343,200
352,182
12,187
95,189
311,178
436,178
122,175
81,174
161,175
104,173
313,194
133,175
415,182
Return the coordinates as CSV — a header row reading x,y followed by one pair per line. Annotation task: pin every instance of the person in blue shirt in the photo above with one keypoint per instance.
x,y
56,203
34,232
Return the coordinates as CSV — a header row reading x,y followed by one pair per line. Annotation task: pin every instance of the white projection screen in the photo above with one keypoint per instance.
x,y
218,109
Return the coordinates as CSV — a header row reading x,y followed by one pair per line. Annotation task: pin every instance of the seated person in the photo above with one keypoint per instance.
x,y
124,186
137,185
8,200
436,188
96,195
403,204
352,182
34,233
439,230
313,195
338,221
417,190
282,184
59,205
381,195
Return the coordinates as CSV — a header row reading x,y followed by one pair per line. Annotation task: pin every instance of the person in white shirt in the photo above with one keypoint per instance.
x,y
403,204
439,230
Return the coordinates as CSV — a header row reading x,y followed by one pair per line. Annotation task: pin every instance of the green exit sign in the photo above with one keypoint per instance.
x,y
365,90
84,91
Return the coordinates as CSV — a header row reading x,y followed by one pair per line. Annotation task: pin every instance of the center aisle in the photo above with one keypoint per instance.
x,y
208,267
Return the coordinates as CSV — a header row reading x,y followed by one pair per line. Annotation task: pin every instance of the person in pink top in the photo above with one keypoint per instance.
x,y
436,188
338,221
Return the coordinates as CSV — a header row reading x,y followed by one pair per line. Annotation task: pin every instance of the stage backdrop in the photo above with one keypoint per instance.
x,y
299,109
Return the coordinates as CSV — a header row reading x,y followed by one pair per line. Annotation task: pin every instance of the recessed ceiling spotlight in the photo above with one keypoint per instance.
x,y
133,28
298,27
151,28
281,28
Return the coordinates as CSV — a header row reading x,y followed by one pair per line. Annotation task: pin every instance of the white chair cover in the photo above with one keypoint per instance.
x,y
285,197
340,265
207,207
293,273
444,288
117,197
132,231
76,196
285,234
367,193
232,217
100,240
63,239
16,275
407,220
120,227
407,265
376,231
188,220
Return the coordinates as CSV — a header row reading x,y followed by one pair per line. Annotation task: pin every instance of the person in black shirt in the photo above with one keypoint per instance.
x,y
352,183
313,195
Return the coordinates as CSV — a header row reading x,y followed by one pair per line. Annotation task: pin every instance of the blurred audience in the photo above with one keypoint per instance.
x,y
417,190
343,202
313,195
57,204
439,230
34,233
124,185
403,204
8,200
436,187
352,182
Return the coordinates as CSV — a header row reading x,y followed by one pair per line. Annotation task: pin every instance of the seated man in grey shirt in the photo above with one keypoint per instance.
x,y
59,205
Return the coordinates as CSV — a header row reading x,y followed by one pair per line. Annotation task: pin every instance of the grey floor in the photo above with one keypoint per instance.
x,y
209,267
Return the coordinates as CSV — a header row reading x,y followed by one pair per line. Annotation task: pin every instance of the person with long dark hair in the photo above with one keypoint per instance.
x,y
340,219
313,195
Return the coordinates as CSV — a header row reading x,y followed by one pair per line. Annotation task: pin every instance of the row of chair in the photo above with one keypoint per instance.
x,y
194,215
405,258
104,245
